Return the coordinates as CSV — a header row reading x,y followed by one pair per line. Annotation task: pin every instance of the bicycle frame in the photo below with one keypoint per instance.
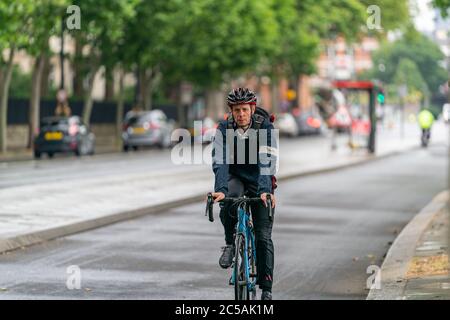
x,y
244,227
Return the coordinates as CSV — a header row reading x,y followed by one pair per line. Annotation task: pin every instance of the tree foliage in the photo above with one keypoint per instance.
x,y
443,5
419,49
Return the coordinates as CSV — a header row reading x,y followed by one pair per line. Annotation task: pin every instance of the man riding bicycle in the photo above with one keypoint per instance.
x,y
426,120
242,142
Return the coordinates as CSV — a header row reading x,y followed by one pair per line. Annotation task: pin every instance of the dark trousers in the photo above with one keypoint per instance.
x,y
426,132
263,230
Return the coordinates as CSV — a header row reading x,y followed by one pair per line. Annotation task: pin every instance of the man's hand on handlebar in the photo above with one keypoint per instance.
x,y
217,196
264,199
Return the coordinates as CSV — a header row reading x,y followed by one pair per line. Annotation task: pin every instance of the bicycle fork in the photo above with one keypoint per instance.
x,y
250,270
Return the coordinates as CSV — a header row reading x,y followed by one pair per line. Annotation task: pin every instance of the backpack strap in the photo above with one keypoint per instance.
x,y
230,121
257,121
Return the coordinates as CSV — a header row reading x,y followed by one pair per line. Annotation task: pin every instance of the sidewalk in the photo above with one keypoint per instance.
x,y
37,212
417,264
16,155
428,274
22,154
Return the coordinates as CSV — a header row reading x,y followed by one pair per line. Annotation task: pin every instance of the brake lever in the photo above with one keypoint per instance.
x,y
207,204
269,205
209,207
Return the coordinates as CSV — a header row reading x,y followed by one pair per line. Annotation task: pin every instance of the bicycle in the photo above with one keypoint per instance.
x,y
244,275
425,139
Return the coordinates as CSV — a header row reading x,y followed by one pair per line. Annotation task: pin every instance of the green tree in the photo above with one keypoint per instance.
x,y
443,5
148,42
15,20
407,73
306,25
102,27
217,41
419,49
45,23
394,14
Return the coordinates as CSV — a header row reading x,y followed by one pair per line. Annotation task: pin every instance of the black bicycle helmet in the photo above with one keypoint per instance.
x,y
241,96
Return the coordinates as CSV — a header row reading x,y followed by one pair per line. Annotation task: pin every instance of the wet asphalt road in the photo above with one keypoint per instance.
x,y
328,229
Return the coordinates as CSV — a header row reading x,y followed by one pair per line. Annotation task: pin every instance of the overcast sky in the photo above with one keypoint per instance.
x,y
424,18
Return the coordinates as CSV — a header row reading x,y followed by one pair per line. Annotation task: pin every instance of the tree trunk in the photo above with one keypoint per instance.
x,y
120,108
181,112
88,100
35,99
4,91
1,76
298,84
140,88
147,89
149,95
44,76
109,85
152,78
78,69
136,88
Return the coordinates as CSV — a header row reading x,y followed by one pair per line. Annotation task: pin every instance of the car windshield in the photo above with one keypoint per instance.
x,y
54,123
139,119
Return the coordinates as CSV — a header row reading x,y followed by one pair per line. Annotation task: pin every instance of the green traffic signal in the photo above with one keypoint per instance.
x,y
381,97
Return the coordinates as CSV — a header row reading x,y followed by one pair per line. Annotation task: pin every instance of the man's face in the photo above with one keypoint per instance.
x,y
242,114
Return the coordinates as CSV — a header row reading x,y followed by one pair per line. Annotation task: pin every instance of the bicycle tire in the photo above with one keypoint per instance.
x,y
252,265
240,281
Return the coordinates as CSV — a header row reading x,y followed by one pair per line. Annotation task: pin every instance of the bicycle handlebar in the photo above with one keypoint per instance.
x,y
241,200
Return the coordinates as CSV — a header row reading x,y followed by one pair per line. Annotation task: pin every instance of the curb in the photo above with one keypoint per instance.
x,y
77,227
37,237
395,265
30,157
16,158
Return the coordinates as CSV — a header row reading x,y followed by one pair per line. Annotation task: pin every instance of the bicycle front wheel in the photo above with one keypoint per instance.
x,y
240,274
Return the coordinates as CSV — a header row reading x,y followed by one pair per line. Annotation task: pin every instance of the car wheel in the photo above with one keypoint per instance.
x,y
125,148
78,151
135,148
161,145
37,154
167,142
50,154
82,149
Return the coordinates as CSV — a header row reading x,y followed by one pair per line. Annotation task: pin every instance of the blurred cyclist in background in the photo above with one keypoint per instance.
x,y
426,120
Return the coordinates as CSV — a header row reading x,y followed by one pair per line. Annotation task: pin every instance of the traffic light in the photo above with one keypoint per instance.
x,y
381,98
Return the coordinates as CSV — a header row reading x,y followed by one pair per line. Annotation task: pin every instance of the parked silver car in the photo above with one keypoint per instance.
x,y
146,128
286,124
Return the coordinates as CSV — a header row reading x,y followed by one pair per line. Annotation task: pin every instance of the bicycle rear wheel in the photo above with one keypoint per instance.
x,y
240,275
